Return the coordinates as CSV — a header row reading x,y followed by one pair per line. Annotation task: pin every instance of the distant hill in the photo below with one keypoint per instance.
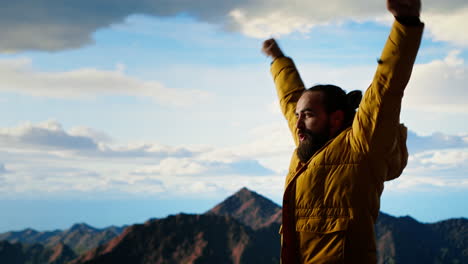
x,y
80,237
254,221
244,229
405,240
186,238
241,229
17,253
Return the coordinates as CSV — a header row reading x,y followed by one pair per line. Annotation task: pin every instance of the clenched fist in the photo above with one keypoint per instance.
x,y
404,8
271,49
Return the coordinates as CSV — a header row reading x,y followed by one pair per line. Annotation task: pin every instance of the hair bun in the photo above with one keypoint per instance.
x,y
353,99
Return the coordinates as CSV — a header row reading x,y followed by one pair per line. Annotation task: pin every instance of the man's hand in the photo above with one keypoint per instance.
x,y
271,49
404,8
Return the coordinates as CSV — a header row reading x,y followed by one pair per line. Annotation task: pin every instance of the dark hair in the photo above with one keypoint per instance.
x,y
336,98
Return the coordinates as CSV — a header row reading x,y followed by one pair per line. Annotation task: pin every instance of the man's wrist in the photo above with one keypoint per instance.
x,y
410,21
277,57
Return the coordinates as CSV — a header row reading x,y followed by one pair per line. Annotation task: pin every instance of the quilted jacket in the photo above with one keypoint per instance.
x,y
331,202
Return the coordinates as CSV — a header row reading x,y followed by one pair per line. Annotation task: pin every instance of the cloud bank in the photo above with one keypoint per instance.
x,y
439,85
49,136
47,159
431,169
58,25
436,141
435,86
18,75
3,170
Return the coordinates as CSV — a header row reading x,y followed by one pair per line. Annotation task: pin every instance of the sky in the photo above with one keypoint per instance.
x,y
114,112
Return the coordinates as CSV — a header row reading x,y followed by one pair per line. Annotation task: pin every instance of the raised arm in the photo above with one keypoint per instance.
x,y
376,125
289,85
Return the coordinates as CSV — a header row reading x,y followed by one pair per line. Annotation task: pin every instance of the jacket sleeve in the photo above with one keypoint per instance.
x,y
289,87
376,125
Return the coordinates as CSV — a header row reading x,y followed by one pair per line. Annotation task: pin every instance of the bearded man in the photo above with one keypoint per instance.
x,y
332,193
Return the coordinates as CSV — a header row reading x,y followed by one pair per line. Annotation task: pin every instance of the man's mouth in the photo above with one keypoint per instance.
x,y
302,136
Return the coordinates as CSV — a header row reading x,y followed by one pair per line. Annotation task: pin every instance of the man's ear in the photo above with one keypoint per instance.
x,y
336,121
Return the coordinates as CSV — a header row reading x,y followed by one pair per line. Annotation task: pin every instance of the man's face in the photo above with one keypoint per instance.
x,y
312,127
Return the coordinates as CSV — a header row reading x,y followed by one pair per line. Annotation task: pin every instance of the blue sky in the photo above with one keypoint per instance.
x,y
117,113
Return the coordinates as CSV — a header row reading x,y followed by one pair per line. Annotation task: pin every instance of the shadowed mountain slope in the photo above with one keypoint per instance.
x,y
241,229
405,240
80,237
17,253
187,239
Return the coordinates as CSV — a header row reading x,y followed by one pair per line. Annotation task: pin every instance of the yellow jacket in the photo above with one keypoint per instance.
x,y
331,203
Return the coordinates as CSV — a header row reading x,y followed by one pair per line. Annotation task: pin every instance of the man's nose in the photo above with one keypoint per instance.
x,y
300,122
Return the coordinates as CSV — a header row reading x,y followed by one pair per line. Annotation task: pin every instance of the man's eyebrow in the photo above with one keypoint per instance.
x,y
306,110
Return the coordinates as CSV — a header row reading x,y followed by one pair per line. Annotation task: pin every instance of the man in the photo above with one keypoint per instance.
x,y
332,194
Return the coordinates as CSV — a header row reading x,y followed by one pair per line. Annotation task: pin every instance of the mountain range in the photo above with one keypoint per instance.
x,y
241,229
80,237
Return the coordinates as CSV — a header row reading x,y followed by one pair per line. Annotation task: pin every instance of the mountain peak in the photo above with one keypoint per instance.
x,y
80,227
245,193
29,231
245,189
249,208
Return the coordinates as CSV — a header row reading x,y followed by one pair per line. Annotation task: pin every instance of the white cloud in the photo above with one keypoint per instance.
x,y
173,166
46,158
48,134
436,86
199,188
348,78
87,132
272,25
200,166
445,168
50,137
442,159
18,75
154,169
33,179
411,183
66,24
447,158
439,85
214,186
262,19
3,170
436,141
447,26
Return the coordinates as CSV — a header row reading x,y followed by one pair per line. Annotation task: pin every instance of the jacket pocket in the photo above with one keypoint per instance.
x,y
321,240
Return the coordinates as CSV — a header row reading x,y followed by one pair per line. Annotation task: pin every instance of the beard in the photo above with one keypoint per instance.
x,y
313,141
